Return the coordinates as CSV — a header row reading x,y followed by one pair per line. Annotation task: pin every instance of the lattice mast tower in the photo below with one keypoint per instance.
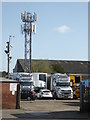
x,y
27,28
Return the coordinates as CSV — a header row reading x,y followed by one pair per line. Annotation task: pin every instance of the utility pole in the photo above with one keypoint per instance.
x,y
28,28
8,54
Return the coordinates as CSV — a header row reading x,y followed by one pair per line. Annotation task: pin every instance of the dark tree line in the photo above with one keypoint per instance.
x,y
44,66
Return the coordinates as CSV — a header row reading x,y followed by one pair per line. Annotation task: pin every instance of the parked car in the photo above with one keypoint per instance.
x,y
28,94
45,93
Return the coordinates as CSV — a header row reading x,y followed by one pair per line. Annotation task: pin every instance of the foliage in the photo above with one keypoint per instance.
x,y
45,66
3,74
57,68
41,66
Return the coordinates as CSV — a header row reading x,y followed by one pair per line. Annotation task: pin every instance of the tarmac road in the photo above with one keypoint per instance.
x,y
46,109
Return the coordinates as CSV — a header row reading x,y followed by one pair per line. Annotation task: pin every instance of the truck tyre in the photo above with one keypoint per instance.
x,y
29,98
74,97
55,96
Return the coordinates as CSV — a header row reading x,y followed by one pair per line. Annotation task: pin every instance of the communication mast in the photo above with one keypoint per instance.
x,y
28,28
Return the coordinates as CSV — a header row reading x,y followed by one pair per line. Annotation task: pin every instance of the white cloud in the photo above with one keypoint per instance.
x,y
63,29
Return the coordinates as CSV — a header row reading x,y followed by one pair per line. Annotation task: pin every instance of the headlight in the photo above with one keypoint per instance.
x,y
71,91
60,91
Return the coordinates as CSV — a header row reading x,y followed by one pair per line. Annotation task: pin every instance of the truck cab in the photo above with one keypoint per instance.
x,y
60,86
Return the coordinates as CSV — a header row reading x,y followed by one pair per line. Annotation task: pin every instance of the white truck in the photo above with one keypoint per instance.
x,y
60,86
34,81
25,79
39,80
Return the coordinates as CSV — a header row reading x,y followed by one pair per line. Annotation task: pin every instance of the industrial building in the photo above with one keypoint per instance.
x,y
69,66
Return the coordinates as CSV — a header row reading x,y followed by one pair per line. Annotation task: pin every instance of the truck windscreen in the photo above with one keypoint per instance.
x,y
25,78
26,83
59,84
61,78
25,75
42,77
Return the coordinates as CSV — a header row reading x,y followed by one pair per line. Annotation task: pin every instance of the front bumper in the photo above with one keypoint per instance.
x,y
65,96
46,96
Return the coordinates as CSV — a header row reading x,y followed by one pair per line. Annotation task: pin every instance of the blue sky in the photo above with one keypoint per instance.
x,y
62,31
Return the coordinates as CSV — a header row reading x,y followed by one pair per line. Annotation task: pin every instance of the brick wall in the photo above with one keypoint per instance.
x,y
8,100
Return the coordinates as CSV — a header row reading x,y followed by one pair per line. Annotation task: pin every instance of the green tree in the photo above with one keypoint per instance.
x,y
45,66
57,68
4,74
41,66
34,67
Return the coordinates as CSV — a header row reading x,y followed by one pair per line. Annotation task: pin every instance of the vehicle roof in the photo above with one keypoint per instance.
x,y
37,73
59,74
45,90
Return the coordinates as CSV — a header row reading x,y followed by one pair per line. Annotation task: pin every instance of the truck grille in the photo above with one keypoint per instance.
x,y
66,91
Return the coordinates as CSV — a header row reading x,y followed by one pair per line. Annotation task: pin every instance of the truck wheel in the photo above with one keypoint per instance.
x,y
74,97
29,99
55,96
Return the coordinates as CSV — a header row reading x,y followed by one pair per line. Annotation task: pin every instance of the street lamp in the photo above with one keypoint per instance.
x,y
28,28
8,53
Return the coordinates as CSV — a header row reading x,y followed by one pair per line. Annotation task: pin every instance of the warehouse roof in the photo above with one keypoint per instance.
x,y
69,66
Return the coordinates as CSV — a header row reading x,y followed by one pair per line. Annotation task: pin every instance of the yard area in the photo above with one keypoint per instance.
x,y
46,109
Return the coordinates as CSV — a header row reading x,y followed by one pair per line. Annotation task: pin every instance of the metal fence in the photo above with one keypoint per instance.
x,y
85,96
